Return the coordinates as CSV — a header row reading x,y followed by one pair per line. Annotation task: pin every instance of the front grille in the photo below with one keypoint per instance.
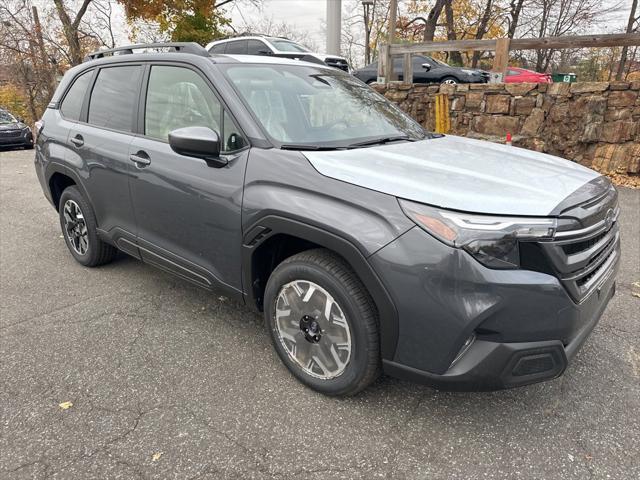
x,y
583,257
9,133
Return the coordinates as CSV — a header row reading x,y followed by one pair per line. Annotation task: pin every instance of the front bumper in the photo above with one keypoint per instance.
x,y
24,139
524,325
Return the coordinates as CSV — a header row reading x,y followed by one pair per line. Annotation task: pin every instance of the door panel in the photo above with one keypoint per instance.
x,y
187,212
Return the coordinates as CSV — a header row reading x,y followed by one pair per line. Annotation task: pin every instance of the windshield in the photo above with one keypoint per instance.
x,y
288,46
310,106
6,117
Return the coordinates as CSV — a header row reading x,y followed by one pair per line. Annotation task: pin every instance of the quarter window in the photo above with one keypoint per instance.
x,y
113,99
220,48
72,104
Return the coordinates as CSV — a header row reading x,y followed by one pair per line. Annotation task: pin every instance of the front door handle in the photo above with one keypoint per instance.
x,y
141,159
78,141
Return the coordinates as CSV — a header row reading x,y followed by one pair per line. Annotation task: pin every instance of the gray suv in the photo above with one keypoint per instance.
x,y
370,244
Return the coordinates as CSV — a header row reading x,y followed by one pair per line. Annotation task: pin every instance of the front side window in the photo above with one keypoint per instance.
x,y
178,97
114,97
256,47
72,103
236,47
320,107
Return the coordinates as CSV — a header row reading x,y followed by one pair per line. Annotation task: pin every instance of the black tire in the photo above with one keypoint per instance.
x,y
336,277
449,80
29,147
97,252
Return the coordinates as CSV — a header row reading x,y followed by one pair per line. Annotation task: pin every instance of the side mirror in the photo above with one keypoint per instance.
x,y
198,142
20,119
426,66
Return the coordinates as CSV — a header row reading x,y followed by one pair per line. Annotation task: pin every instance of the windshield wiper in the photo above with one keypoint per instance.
x,y
293,146
381,140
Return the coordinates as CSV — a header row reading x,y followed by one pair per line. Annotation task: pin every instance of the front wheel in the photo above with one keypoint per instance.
x,y
323,323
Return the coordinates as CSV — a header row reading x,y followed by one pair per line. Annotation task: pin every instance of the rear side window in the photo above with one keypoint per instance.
x,y
72,103
237,47
220,48
114,97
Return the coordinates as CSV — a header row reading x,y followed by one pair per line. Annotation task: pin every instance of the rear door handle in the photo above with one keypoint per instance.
x,y
78,141
141,159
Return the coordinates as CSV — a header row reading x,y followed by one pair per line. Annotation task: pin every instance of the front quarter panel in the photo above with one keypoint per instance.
x,y
283,183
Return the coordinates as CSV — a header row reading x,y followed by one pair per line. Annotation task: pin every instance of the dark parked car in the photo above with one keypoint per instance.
x,y
426,70
369,244
14,132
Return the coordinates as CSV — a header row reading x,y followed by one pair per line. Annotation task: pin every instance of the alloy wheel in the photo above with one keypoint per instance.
x,y
313,329
75,227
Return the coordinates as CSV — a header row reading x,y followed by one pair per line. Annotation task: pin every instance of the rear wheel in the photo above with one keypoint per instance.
x,y
323,323
449,81
79,228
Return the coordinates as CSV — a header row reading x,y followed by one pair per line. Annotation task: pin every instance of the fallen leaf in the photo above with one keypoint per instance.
x,y
65,405
635,294
156,456
636,284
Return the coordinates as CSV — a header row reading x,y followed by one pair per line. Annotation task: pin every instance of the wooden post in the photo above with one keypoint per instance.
x,y
501,60
384,61
407,72
393,10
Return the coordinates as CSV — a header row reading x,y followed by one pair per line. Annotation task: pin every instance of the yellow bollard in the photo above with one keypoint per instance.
x,y
443,120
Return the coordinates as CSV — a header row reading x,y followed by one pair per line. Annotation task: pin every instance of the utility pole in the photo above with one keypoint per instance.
x,y
334,26
393,22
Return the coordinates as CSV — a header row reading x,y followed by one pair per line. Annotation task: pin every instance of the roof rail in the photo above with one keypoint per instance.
x,y
251,34
182,47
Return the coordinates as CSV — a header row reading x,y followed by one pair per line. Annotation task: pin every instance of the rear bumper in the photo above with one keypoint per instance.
x,y
524,325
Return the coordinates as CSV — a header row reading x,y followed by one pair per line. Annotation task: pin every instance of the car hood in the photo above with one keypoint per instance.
x,y
460,174
10,126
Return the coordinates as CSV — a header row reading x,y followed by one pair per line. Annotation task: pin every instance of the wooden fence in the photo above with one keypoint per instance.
x,y
502,47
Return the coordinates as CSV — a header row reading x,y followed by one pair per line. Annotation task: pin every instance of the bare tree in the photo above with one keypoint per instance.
x,y
456,57
482,30
71,28
515,8
432,20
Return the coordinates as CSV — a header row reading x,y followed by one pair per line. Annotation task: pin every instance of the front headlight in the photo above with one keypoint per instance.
x,y
492,240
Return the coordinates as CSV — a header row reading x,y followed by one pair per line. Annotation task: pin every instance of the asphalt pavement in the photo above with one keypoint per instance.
x,y
166,381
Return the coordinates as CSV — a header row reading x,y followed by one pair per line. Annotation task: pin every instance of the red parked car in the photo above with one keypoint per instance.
x,y
521,75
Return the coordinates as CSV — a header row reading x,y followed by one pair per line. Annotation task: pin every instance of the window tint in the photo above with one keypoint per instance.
x,y
256,47
114,97
220,48
237,47
176,98
72,103
511,73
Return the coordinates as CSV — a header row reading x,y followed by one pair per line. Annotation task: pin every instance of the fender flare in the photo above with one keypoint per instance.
x,y
272,225
53,168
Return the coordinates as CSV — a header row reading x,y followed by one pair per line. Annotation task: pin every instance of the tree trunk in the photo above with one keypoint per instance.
x,y
515,7
432,20
456,57
625,50
70,29
482,29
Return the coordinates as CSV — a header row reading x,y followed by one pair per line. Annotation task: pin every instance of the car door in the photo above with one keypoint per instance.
x,y
187,211
99,150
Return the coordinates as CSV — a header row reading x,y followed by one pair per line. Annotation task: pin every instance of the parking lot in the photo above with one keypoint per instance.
x,y
168,381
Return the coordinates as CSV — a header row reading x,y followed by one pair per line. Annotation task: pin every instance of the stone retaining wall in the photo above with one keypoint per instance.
x,y
595,123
